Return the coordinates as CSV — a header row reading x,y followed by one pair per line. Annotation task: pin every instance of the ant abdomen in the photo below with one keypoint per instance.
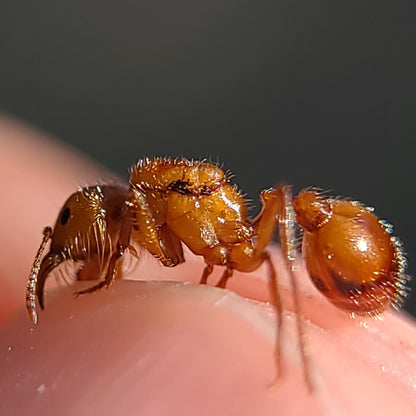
x,y
350,255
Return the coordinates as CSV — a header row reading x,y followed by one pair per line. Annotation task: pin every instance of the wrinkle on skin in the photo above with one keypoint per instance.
x,y
166,347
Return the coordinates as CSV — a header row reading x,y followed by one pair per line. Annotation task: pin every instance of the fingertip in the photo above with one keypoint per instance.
x,y
164,347
169,347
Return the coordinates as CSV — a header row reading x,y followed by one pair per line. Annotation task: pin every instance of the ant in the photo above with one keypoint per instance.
x,y
350,255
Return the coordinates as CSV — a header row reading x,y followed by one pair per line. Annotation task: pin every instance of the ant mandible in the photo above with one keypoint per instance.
x,y
350,255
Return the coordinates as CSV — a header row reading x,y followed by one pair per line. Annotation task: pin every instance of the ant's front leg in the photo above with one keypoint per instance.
x,y
114,264
114,268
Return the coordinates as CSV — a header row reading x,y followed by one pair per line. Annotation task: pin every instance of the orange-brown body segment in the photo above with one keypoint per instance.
x,y
349,254
192,202
87,229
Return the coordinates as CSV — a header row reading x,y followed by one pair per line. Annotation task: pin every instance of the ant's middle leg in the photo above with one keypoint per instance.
x,y
205,274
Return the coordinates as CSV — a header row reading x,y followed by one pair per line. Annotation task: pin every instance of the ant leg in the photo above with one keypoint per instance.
x,y
113,268
277,205
114,265
205,274
276,299
91,270
225,276
287,240
299,324
156,238
90,289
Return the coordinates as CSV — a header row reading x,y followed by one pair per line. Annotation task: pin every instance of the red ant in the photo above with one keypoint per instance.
x,y
350,255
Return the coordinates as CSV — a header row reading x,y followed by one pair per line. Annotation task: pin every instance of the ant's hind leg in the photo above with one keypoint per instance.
x,y
287,239
277,303
277,206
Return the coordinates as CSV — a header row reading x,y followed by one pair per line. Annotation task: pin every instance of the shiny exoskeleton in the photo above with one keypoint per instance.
x,y
350,255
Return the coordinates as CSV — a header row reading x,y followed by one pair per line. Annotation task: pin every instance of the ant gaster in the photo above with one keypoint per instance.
x,y
350,255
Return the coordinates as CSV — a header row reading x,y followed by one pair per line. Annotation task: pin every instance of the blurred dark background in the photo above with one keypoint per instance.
x,y
305,92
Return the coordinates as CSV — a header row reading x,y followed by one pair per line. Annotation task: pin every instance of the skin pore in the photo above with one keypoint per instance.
x,y
152,344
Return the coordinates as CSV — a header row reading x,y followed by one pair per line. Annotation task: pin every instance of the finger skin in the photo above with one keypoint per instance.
x,y
171,348
153,347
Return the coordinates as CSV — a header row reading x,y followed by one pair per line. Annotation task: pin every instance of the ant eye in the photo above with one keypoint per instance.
x,y
65,216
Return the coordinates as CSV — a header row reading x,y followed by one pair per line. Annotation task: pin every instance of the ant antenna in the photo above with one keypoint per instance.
x,y
33,277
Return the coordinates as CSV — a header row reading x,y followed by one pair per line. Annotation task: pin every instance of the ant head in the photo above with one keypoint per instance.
x,y
88,224
80,215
